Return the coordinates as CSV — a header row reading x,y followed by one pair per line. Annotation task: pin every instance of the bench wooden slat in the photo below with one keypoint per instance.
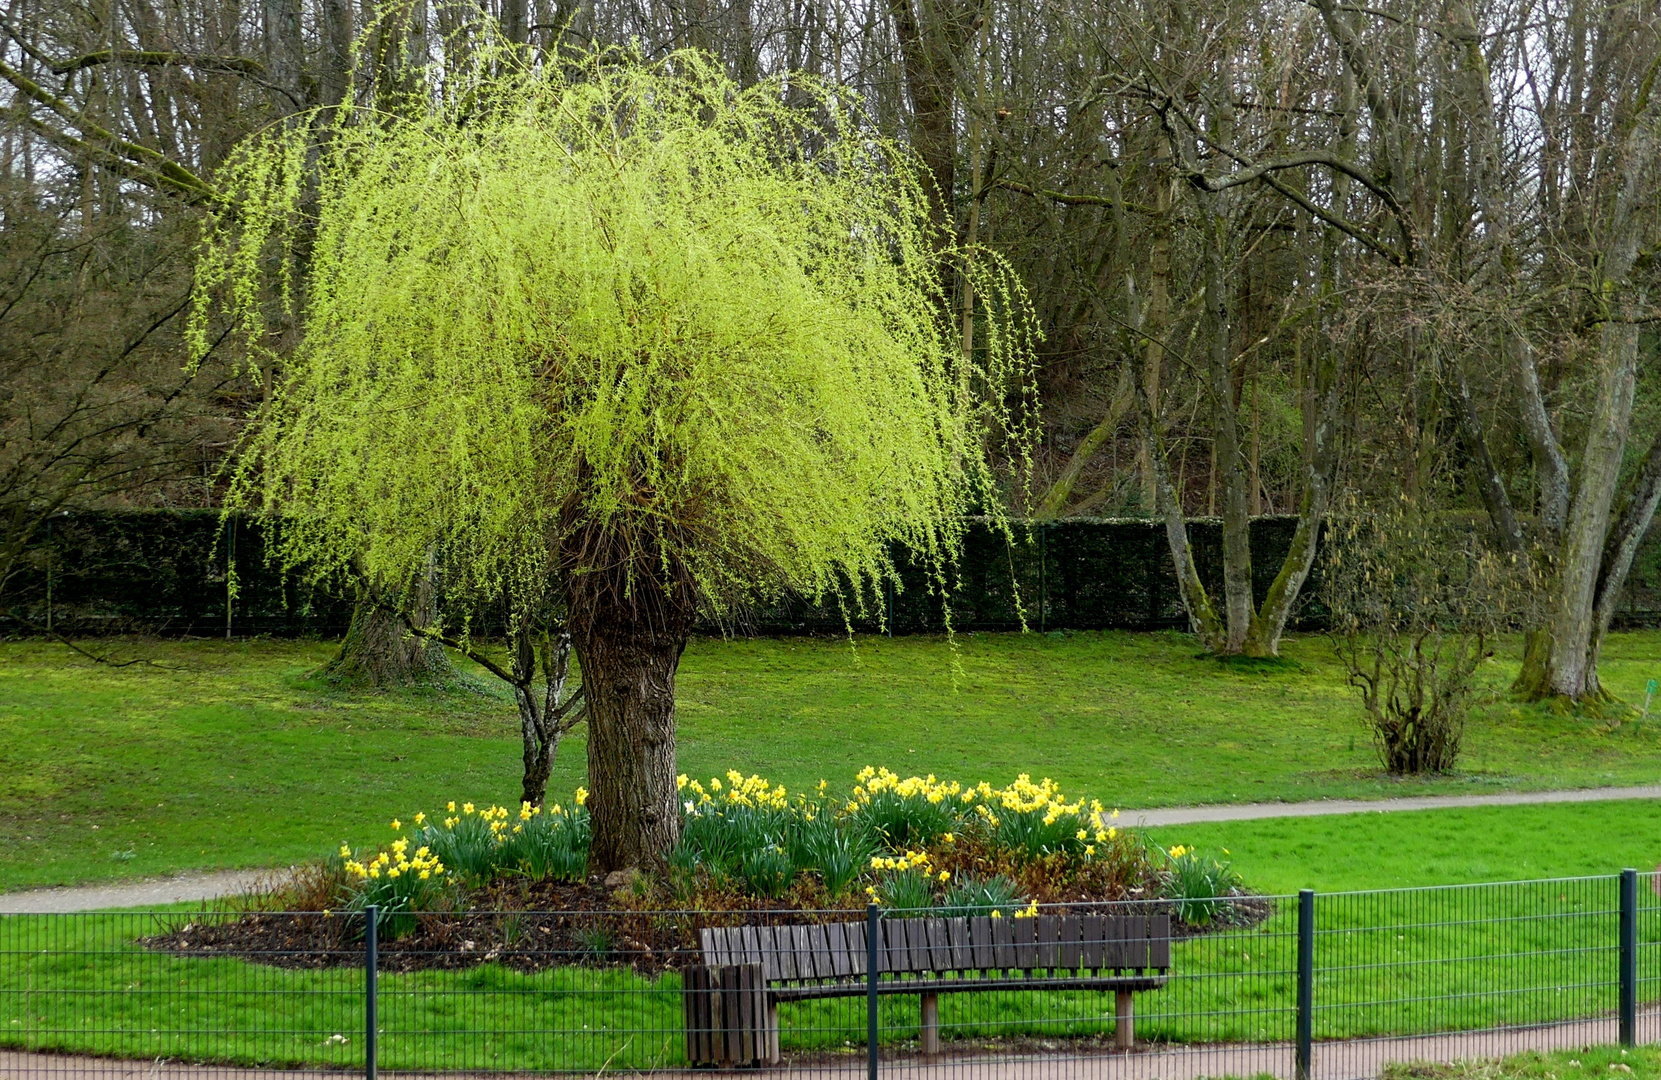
x,y
957,932
1090,942
1114,950
836,941
917,942
786,956
1025,933
855,934
824,961
706,942
1049,941
1159,943
940,946
811,961
980,939
1068,932
1136,942
1003,943
916,945
893,946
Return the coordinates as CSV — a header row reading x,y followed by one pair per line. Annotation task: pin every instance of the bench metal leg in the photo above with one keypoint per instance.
x,y
1124,1019
931,1025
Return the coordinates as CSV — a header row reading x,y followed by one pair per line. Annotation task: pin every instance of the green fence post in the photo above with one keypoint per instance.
x,y
1629,957
371,991
873,928
1306,981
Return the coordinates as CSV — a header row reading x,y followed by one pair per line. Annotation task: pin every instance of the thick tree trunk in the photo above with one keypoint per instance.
x,y
629,636
378,653
1202,617
1572,672
1320,465
1229,466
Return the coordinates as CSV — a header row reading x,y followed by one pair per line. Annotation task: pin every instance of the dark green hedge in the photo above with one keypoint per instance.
x,y
165,572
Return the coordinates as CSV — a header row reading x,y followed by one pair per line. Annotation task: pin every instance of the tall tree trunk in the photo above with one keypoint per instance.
x,y
1572,666
379,652
1202,617
335,31
1572,670
629,636
1228,467
932,37
1320,468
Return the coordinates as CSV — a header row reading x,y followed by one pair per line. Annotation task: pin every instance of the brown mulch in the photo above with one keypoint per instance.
x,y
531,928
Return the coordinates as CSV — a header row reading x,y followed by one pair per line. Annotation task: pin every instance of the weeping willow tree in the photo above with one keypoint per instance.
x,y
627,333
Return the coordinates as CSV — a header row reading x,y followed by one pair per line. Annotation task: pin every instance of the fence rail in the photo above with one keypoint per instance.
x,y
1328,986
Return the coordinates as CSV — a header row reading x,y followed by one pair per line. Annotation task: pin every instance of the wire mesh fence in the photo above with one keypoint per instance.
x,y
1331,986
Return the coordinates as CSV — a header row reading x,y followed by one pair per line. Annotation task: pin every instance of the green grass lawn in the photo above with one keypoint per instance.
x,y
229,756
1401,962
1432,847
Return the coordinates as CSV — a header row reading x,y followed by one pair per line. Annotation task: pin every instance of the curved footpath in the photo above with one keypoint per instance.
x,y
197,887
1336,1060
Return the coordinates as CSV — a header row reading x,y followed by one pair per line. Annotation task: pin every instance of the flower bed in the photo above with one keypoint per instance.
x,y
749,850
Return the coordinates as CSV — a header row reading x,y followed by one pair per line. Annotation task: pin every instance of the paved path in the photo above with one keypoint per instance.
x,y
1188,815
197,887
187,888
1358,1059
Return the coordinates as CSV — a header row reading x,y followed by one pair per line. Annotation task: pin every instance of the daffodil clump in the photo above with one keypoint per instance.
x,y
1199,884
540,843
427,860
908,842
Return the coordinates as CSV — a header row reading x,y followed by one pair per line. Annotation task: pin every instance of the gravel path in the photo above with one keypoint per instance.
x,y
186,888
1347,1060
1188,815
195,887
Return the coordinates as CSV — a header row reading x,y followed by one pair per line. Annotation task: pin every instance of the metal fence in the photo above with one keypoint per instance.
x,y
1331,986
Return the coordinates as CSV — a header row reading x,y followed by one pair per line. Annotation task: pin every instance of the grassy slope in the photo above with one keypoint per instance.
x,y
232,758
1433,847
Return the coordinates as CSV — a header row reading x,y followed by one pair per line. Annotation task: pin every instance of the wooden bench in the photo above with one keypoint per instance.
x,y
748,970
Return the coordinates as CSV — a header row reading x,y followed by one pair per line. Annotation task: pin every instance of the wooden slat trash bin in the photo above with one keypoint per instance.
x,y
728,1019
1126,954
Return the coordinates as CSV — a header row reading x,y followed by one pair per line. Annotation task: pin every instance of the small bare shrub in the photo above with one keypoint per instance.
x,y
1416,599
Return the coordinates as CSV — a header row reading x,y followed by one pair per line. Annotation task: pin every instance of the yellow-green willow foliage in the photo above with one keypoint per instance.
x,y
633,300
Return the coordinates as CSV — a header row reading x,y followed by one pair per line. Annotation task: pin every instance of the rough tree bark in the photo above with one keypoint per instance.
x,y
629,630
1560,659
383,649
